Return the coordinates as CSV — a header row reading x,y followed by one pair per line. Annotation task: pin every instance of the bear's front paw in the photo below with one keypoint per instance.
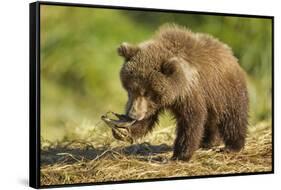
x,y
181,157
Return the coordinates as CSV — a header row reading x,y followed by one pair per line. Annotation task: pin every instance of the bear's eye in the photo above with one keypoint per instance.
x,y
145,93
142,92
155,68
150,95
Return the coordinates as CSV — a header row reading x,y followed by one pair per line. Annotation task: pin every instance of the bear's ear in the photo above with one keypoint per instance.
x,y
170,66
127,51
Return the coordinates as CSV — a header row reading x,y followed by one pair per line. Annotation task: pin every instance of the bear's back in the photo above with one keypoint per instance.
x,y
220,75
197,48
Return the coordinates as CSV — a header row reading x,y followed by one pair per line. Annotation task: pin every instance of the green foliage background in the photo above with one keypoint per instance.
x,y
80,66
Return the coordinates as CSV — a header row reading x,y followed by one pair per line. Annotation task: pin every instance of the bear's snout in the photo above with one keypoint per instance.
x,y
138,109
136,116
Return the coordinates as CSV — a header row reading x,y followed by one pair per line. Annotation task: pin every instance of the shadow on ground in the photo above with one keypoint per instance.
x,y
70,155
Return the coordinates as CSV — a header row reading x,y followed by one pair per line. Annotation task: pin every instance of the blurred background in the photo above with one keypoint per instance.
x,y
80,66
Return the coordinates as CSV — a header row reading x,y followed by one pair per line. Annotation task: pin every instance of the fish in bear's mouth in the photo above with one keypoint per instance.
x,y
120,125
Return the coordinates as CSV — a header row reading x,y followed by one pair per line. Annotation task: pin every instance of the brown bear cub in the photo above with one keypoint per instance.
x,y
197,78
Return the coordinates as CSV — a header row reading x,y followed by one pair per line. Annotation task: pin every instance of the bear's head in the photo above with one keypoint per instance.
x,y
153,78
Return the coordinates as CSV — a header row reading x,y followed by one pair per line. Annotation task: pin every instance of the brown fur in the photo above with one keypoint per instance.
x,y
196,77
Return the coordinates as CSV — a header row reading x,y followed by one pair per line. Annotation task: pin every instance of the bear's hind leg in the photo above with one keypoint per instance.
x,y
233,131
211,135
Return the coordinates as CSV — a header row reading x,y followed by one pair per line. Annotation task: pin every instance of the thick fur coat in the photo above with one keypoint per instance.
x,y
197,78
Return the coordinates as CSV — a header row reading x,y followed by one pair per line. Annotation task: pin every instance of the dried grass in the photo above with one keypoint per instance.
x,y
86,162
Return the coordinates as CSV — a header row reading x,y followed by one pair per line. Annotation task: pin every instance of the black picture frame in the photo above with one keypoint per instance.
x,y
34,91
